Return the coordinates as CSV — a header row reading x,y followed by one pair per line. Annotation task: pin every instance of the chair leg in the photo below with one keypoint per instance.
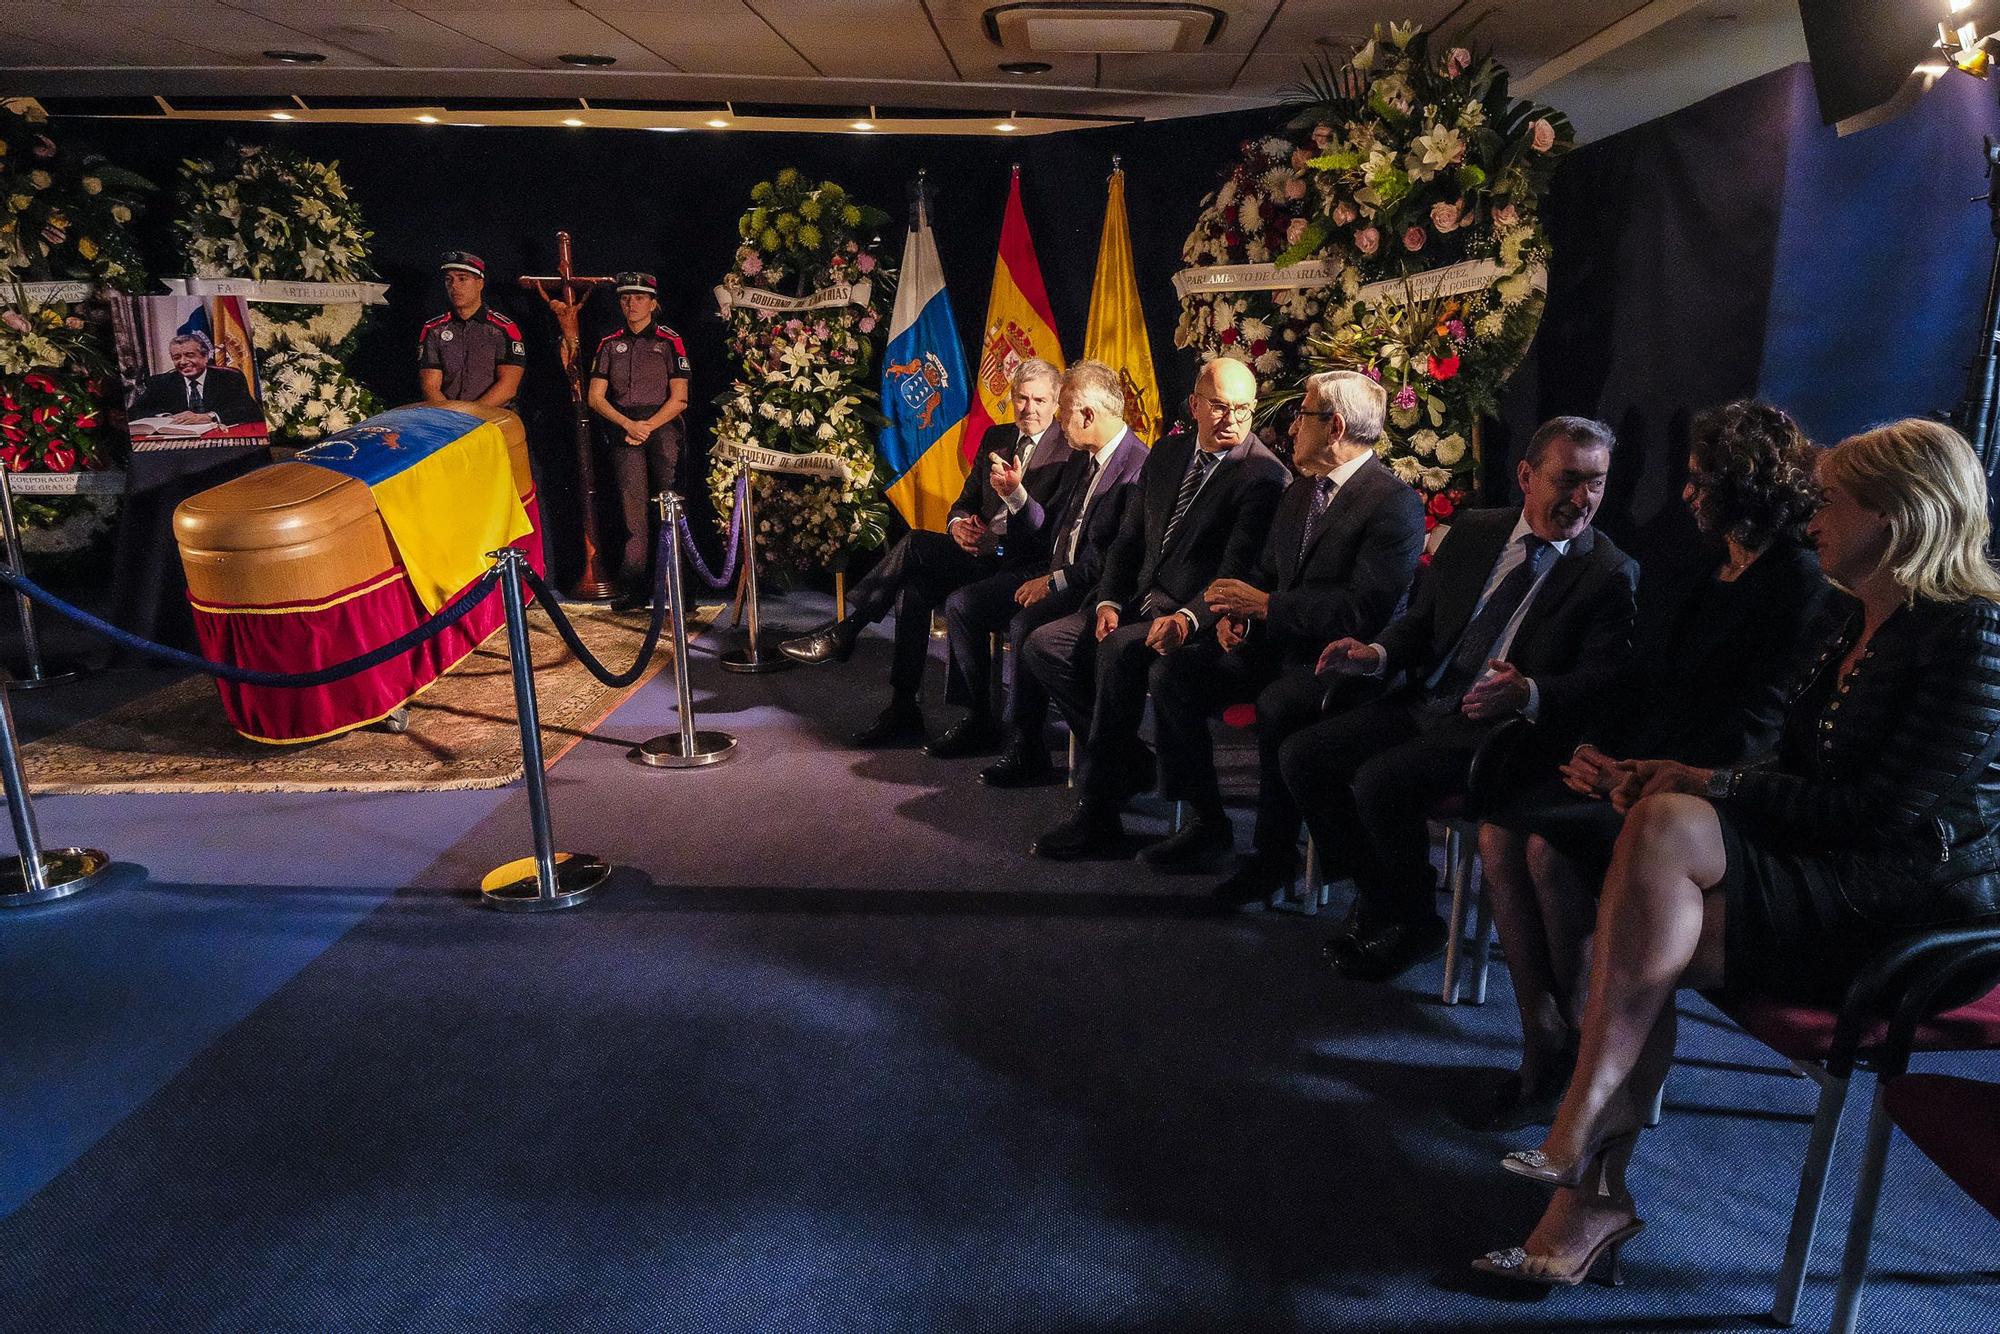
x,y
1315,895
1482,936
1179,817
1070,779
1657,1109
1454,936
1812,1191
1861,1225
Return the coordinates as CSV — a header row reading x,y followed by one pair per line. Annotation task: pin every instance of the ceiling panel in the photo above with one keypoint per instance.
x,y
119,34
706,36
538,35
384,32
20,49
862,38
1185,71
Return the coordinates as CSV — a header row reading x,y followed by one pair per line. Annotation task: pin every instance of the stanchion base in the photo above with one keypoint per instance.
x,y
515,888
664,752
55,672
743,661
65,871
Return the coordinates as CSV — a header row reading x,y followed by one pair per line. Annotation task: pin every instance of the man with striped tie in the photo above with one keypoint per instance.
x,y
1205,503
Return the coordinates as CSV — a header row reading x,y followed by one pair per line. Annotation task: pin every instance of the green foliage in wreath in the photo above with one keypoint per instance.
x,y
64,216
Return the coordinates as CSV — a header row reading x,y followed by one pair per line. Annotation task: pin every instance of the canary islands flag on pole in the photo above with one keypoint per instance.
x,y
925,392
1116,334
1018,323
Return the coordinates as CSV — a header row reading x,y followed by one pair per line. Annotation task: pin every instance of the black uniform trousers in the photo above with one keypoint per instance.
x,y
640,472
1201,680
1365,779
980,610
916,576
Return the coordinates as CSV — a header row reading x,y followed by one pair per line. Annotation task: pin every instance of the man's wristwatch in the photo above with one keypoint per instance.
x,y
1721,784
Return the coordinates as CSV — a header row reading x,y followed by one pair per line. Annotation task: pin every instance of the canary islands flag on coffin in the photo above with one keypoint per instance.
x,y
925,392
1018,323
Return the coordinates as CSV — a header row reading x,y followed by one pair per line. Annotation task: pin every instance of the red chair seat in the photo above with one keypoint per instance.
x,y
1802,1032
1956,1122
1447,808
1240,716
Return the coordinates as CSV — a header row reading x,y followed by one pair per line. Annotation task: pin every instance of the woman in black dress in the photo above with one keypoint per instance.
x,y
1881,816
1718,641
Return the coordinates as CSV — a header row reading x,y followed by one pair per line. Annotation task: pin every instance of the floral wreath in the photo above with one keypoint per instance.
x,y
805,383
1258,211
273,213
63,216
1427,185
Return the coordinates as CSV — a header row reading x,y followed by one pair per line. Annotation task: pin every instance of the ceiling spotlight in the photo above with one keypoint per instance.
x,y
1025,67
588,61
574,122
427,119
281,115
718,124
1006,127
295,57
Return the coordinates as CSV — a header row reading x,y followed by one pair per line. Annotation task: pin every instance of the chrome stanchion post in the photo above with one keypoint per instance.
x,y
687,748
750,657
549,879
31,672
36,875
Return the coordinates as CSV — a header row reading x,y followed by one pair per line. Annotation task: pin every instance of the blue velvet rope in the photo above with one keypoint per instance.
x,y
560,619
251,676
735,540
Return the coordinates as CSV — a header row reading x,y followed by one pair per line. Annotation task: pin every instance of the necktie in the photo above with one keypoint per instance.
x,y
1475,646
1075,533
1025,453
1322,496
194,394
1197,473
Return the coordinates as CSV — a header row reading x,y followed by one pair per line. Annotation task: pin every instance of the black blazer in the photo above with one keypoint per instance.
x,y
1355,574
1218,539
977,497
1573,642
224,392
1707,682
1101,521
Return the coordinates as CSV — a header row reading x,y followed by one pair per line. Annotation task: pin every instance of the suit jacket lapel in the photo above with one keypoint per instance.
x,y
1463,596
1162,498
1556,587
1205,497
1341,510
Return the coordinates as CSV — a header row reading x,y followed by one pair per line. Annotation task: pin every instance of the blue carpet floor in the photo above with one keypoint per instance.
x,y
830,1052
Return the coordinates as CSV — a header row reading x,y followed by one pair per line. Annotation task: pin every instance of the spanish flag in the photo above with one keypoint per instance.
x,y
925,394
1116,335
1018,323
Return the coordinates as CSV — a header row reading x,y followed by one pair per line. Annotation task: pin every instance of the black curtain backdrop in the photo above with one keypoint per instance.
x,y
669,203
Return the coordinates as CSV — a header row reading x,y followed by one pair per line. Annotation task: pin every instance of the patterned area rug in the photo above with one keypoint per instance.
x,y
462,731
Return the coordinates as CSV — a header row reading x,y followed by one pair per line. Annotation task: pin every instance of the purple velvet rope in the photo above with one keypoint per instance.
x,y
735,540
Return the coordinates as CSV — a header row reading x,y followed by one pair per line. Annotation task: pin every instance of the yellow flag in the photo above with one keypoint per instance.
x,y
1116,335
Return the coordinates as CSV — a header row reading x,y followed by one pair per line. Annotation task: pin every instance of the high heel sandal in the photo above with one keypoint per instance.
x,y
1602,1265
1538,1166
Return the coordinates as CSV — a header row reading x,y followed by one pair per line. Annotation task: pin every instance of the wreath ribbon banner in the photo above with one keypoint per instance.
x,y
759,459
772,303
1473,275
1256,277
48,294
96,483
284,292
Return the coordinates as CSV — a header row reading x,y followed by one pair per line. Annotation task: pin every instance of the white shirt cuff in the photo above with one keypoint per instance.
x,y
1533,708
1058,580
1194,626
1381,661
1014,501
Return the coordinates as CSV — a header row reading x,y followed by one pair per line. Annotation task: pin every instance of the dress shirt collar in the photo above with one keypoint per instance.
x,y
1521,530
1342,475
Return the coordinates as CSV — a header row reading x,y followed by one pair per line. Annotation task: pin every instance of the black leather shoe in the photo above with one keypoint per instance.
x,y
1255,880
1342,940
1086,835
1020,768
901,724
830,643
1384,953
973,734
1200,848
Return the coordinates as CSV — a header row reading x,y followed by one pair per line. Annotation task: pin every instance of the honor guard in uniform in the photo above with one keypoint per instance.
x,y
471,353
639,389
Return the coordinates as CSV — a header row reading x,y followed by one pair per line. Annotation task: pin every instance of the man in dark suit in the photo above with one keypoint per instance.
x,y
1205,503
1338,562
924,568
1524,612
1078,524
194,392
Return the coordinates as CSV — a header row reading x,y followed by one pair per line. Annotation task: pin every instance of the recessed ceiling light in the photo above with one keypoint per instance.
x,y
1005,127
1025,67
427,119
573,122
296,57
718,125
588,61
281,115
864,124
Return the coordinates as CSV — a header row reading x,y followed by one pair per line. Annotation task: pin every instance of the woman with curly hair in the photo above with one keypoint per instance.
x,y
1704,686
1881,816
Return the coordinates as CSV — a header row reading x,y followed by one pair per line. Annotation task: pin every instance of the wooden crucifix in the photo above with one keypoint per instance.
x,y
565,303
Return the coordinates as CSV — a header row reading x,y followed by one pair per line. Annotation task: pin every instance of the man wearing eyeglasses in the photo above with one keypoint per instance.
x,y
1205,503
1338,561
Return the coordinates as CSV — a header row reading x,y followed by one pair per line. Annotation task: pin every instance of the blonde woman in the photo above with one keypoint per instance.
x,y
1881,815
